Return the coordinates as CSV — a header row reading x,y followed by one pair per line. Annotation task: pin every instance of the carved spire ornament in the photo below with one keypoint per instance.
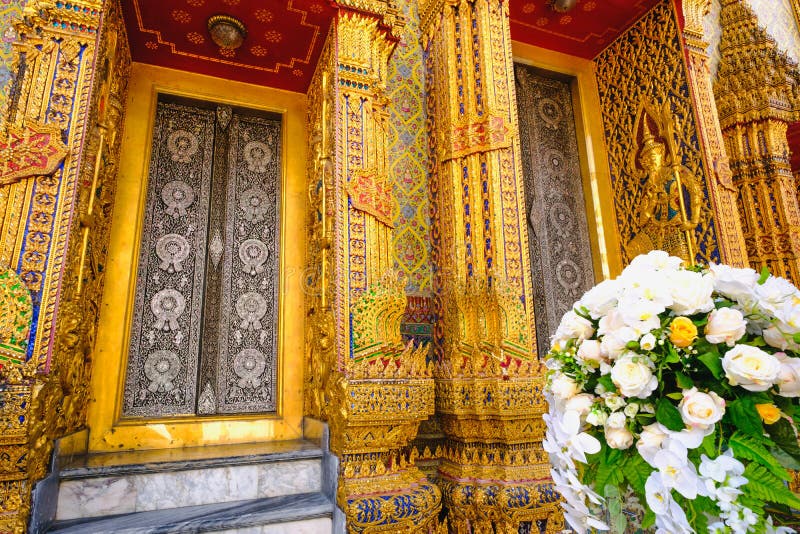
x,y
757,96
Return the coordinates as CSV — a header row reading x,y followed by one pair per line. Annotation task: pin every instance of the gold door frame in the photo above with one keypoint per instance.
x,y
107,429
598,193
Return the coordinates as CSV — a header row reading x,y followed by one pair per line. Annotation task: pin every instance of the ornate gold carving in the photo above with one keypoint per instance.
x,y
722,193
758,94
666,219
488,379
34,149
47,398
646,66
371,388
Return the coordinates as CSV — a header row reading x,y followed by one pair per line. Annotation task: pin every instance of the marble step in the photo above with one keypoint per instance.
x,y
107,484
307,513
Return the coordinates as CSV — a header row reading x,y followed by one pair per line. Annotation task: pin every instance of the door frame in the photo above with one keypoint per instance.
x,y
107,429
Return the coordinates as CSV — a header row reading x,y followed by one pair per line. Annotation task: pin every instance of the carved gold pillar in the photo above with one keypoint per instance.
x,y
722,192
53,231
757,95
493,473
372,389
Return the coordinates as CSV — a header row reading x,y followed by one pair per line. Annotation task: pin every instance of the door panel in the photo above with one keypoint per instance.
x,y
165,335
204,336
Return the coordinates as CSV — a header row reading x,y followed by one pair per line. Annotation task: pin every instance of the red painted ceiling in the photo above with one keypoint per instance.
x,y
284,38
584,31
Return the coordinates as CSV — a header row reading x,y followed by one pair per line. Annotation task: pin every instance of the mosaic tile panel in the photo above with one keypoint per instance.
x,y
408,157
10,12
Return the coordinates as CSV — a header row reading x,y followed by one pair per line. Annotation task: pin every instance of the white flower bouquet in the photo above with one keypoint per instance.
x,y
680,385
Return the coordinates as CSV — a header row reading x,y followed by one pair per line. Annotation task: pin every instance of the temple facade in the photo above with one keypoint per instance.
x,y
293,266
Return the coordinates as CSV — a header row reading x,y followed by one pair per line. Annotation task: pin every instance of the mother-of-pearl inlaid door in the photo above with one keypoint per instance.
x,y
205,324
558,234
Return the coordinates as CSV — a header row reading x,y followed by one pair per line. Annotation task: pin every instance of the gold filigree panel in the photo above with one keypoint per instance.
x,y
646,64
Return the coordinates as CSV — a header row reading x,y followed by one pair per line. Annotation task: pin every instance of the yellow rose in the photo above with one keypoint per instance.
x,y
682,332
769,413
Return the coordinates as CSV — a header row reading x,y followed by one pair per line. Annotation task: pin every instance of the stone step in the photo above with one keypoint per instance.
x,y
306,513
106,484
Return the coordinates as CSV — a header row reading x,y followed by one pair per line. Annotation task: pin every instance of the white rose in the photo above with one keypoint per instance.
x,y
652,435
648,341
597,418
616,420
736,284
619,438
725,325
580,403
573,326
776,338
601,298
700,409
614,402
563,386
691,292
789,376
774,293
589,352
639,308
751,368
615,343
631,410
633,375
789,316
656,260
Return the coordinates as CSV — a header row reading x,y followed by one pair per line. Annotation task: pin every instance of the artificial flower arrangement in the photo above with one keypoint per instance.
x,y
680,385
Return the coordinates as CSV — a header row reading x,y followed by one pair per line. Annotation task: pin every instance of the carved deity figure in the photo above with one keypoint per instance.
x,y
665,221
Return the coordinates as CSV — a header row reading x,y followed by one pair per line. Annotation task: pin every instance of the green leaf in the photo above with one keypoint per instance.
x,y
713,362
763,485
607,383
751,448
673,356
614,507
683,381
636,471
649,518
668,415
783,434
709,445
677,395
796,337
764,275
742,414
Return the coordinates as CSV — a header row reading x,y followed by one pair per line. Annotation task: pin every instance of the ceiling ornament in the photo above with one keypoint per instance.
x,y
226,31
562,6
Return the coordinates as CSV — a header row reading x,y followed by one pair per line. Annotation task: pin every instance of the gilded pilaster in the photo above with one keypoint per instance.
x,y
721,190
54,229
757,96
493,473
371,388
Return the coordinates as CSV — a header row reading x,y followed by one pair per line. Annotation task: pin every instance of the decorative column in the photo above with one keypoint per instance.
x,y
758,95
371,388
722,192
493,473
58,150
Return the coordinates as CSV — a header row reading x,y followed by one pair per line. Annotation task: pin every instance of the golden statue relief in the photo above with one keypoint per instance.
x,y
669,210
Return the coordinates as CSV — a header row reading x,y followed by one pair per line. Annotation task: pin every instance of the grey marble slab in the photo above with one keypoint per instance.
x,y
206,518
154,461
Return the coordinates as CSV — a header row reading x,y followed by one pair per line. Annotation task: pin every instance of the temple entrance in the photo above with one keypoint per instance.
x,y
204,336
558,234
